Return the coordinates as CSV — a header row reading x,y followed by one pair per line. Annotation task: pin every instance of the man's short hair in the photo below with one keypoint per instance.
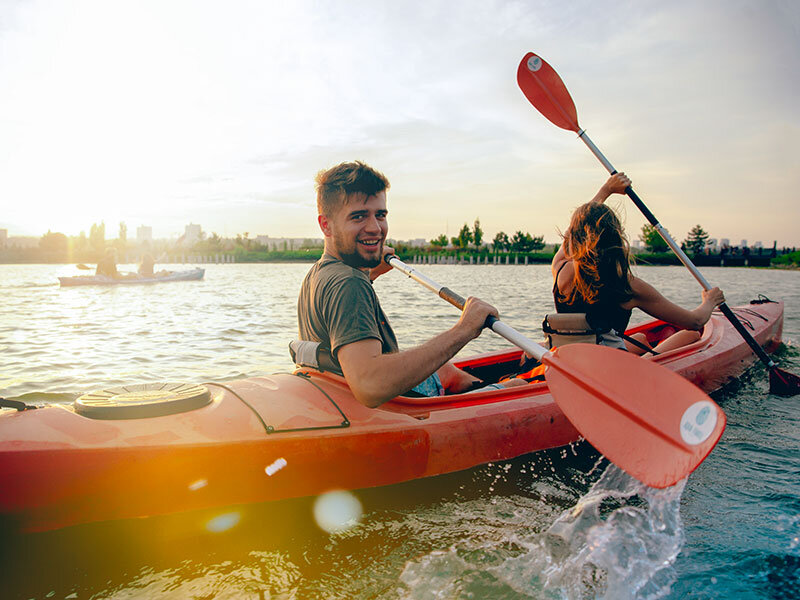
x,y
335,184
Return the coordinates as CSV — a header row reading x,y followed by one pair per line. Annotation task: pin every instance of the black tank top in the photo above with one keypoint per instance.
x,y
602,314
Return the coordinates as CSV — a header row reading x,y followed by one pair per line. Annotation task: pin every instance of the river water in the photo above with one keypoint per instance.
x,y
558,524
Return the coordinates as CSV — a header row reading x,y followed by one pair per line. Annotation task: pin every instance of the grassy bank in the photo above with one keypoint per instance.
x,y
790,261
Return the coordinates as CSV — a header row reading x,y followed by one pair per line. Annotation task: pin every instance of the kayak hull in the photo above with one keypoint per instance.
x,y
58,468
79,280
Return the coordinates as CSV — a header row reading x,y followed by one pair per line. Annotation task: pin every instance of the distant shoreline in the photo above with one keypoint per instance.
x,y
789,261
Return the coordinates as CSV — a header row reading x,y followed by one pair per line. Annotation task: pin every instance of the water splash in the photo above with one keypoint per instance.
x,y
619,541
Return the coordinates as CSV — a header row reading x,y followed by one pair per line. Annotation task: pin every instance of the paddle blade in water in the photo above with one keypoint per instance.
x,y
649,421
783,383
544,89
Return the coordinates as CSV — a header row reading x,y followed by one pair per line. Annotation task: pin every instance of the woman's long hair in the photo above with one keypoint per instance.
x,y
596,243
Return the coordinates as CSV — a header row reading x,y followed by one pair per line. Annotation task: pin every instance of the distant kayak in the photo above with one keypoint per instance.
x,y
192,275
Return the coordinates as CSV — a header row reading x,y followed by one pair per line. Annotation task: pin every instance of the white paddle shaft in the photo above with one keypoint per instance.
x,y
650,217
496,325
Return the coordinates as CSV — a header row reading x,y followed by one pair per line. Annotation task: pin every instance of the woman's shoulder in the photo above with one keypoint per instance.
x,y
563,274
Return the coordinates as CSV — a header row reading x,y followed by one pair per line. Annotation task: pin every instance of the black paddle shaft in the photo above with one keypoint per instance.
x,y
458,301
724,308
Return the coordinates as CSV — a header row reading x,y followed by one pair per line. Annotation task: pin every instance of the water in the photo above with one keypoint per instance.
x,y
559,524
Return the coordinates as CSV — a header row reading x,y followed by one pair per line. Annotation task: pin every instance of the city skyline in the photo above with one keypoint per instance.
x,y
194,232
225,118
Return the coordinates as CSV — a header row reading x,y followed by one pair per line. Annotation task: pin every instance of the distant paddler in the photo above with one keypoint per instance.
x,y
107,265
147,267
147,264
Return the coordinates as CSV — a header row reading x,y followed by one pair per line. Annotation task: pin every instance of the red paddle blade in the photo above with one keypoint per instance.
x,y
783,383
649,421
544,89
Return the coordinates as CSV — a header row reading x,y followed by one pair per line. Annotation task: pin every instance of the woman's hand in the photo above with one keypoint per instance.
x,y
711,299
616,184
714,297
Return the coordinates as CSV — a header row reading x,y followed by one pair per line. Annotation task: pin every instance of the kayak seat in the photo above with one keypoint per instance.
x,y
306,353
142,401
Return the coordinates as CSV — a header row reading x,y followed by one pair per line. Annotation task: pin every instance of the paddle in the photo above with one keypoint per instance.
x,y
544,89
649,421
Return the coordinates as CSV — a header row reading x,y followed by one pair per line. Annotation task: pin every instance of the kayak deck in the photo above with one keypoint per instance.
x,y
59,468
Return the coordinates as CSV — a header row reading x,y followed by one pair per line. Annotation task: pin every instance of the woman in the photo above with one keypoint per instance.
x,y
592,275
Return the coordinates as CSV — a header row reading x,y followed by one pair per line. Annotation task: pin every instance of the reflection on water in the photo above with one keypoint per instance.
x,y
553,525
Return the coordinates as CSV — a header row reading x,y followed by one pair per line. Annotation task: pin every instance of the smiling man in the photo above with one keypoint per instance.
x,y
339,308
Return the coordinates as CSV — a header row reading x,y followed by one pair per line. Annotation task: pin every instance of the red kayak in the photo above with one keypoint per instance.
x,y
152,449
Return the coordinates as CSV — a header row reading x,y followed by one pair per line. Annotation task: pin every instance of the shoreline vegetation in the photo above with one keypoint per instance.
x,y
468,247
414,255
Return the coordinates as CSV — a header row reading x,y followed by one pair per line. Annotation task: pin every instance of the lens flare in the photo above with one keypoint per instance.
x,y
337,511
223,522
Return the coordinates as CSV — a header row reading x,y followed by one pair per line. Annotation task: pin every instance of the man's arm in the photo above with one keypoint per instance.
x,y
375,378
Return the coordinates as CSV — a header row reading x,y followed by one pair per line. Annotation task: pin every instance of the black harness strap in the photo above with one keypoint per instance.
x,y
20,406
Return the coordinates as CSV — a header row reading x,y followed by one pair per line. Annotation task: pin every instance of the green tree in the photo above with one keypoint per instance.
x,y
537,243
652,240
695,242
97,237
439,242
501,241
464,237
477,233
523,242
81,243
215,242
54,245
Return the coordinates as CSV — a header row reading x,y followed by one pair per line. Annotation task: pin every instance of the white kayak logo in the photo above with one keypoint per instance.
x,y
698,422
534,63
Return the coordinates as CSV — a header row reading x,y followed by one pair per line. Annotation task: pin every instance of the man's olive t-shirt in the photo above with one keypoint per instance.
x,y
337,306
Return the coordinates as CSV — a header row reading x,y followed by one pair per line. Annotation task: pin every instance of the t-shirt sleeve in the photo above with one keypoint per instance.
x,y
350,311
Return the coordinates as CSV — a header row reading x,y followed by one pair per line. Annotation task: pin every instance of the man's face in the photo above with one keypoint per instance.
x,y
356,231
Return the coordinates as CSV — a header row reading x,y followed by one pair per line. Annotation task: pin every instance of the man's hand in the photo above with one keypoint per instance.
x,y
384,267
473,317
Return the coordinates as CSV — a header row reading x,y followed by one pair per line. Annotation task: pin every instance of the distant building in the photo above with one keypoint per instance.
x,y
758,245
271,243
3,238
144,233
743,244
637,244
712,245
192,233
724,244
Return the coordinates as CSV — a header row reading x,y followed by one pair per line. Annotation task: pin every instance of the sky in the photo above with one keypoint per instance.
x,y
163,113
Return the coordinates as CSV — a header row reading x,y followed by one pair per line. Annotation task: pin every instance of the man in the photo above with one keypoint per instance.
x,y
338,307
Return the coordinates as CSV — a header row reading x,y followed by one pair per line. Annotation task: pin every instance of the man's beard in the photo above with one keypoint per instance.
x,y
355,260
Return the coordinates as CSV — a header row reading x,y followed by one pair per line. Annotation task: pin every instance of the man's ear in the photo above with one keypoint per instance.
x,y
324,225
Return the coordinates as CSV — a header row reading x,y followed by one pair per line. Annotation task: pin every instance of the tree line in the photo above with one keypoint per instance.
x,y
472,237
695,242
